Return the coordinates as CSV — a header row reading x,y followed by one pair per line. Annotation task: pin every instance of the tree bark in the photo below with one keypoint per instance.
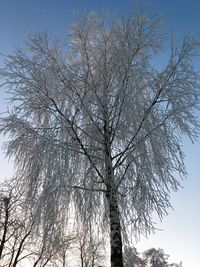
x,y
115,233
82,259
114,216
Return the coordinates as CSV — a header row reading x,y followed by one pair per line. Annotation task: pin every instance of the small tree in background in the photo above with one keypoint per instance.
x,y
91,252
149,258
155,258
18,244
132,258
15,227
94,128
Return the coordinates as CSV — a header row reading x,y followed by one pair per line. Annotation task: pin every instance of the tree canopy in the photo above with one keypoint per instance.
x,y
95,129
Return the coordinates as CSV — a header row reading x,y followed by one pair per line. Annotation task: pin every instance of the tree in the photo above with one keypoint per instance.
x,y
96,129
132,258
91,250
15,228
17,244
156,257
149,258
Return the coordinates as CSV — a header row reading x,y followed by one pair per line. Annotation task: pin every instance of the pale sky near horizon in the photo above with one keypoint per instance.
x,y
180,234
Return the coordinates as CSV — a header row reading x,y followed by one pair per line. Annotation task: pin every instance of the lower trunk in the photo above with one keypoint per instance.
x,y
115,233
115,226
5,225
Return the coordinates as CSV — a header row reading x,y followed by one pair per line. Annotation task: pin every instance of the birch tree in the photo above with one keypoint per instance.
x,y
96,129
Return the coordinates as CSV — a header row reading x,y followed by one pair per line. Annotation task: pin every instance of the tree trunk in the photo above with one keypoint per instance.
x,y
115,226
115,233
114,218
82,258
5,224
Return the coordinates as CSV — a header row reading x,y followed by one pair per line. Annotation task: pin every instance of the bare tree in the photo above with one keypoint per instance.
x,y
40,254
96,129
15,227
17,244
91,250
67,242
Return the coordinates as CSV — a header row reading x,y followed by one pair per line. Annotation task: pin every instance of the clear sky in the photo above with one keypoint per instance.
x,y
180,235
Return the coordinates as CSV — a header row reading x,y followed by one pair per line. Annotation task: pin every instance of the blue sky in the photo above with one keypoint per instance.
x,y
180,236
20,17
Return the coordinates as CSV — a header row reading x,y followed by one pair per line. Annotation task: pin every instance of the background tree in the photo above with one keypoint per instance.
x,y
149,258
20,246
155,258
17,244
15,229
66,247
96,129
90,249
132,258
